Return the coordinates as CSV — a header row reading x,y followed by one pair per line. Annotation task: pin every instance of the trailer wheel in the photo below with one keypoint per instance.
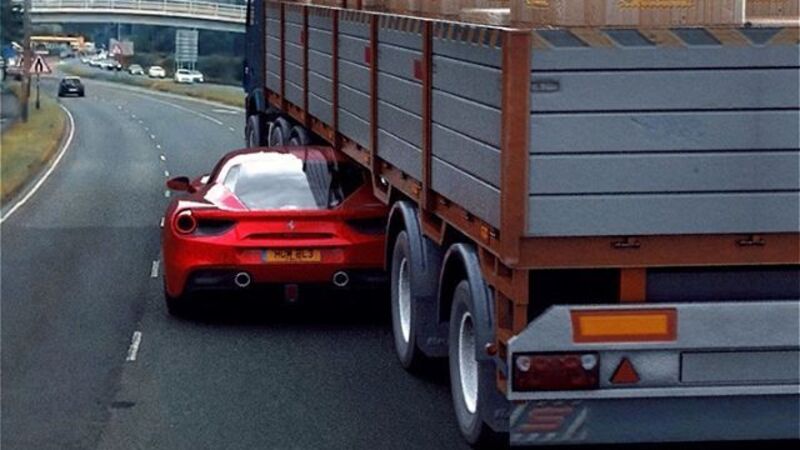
x,y
299,137
254,131
279,132
403,315
466,372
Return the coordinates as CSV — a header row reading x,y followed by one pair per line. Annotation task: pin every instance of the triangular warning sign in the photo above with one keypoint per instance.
x,y
40,65
625,373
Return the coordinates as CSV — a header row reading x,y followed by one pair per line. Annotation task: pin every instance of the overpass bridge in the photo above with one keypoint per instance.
x,y
204,15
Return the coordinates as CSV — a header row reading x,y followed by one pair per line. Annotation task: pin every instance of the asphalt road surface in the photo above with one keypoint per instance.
x,y
81,279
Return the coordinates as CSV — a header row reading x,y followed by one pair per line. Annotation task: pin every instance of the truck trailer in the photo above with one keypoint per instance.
x,y
599,227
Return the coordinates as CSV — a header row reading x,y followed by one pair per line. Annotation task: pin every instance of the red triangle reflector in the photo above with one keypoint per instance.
x,y
625,373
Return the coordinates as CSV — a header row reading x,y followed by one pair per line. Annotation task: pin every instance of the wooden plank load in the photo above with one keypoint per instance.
x,y
773,12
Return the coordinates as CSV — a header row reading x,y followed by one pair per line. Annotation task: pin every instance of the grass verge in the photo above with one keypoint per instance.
x,y
26,147
228,95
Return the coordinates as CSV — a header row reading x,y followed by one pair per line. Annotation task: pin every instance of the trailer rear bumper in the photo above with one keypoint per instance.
x,y
696,372
632,420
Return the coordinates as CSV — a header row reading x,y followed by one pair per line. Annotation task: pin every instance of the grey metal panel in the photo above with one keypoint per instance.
x,y
294,73
687,131
274,28
294,53
665,57
320,108
273,82
320,40
741,367
355,102
353,28
614,215
478,121
399,38
354,128
354,76
655,90
320,85
400,123
400,154
352,49
323,22
740,171
398,61
293,33
293,15
320,63
401,93
469,155
476,82
274,65
273,10
478,197
478,54
294,93
274,46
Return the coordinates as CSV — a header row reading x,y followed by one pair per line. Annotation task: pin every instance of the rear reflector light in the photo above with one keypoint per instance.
x,y
625,373
185,223
624,325
556,372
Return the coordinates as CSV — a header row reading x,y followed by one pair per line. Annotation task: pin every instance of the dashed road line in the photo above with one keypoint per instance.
x,y
166,173
225,111
232,129
158,146
154,269
162,157
166,194
182,108
161,224
133,350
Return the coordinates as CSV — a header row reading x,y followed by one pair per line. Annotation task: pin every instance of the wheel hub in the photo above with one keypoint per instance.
x,y
404,300
467,365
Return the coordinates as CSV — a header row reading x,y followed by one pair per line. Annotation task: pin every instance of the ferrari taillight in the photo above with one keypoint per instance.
x,y
185,223
556,372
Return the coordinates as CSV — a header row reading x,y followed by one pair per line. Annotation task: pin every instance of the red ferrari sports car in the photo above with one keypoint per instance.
x,y
272,216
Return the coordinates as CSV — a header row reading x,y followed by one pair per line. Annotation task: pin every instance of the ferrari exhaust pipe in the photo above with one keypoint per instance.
x,y
341,279
242,279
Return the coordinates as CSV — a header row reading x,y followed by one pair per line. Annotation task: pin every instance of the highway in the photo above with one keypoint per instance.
x,y
90,358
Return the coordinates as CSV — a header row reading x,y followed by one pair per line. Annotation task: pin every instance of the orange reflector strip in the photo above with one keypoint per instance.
x,y
624,325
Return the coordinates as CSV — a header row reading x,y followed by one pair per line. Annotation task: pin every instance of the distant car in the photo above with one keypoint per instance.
x,y
197,76
85,60
135,69
272,217
71,86
111,64
156,72
183,76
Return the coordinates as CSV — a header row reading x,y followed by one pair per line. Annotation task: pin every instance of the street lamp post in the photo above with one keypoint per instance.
x,y
27,59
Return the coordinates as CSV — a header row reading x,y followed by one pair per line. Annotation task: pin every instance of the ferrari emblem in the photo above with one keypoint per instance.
x,y
290,225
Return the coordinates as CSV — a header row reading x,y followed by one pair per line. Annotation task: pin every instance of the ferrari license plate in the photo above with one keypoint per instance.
x,y
292,256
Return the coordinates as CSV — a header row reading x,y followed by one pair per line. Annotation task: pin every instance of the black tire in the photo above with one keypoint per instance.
x,y
254,131
299,137
279,133
468,413
176,306
404,323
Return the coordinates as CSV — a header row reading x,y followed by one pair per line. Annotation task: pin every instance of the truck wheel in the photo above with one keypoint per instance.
x,y
279,133
466,371
254,132
299,137
403,317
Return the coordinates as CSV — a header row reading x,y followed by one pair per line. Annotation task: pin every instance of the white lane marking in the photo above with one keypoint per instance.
x,y
119,107
136,340
162,157
146,129
123,87
225,111
182,108
166,194
152,136
49,171
232,129
166,173
161,224
158,146
154,269
140,121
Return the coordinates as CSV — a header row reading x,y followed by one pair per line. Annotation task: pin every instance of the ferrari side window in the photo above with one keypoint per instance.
x,y
231,178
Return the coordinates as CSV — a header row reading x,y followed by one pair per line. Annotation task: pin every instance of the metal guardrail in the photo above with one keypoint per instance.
x,y
198,9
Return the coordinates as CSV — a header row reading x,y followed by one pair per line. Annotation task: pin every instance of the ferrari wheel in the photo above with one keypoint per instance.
x,y
176,306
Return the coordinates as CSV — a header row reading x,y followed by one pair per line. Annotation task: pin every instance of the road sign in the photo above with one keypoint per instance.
x,y
186,46
116,49
120,48
40,66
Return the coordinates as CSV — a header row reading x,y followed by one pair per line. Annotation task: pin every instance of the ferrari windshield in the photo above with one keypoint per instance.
x,y
289,181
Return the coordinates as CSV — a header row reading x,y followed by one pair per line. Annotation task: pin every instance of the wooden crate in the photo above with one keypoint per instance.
x,y
627,13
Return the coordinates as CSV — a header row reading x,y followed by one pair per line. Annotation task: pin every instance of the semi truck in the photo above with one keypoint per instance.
x,y
598,227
